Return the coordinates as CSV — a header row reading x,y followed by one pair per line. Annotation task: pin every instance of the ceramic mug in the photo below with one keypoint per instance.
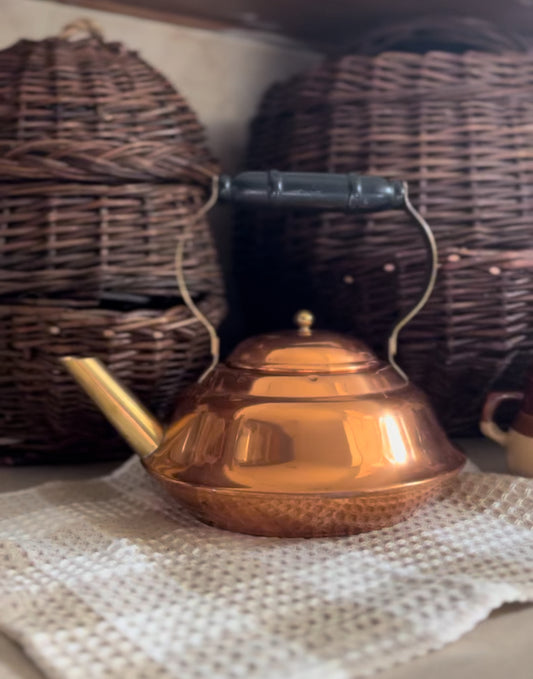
x,y
518,440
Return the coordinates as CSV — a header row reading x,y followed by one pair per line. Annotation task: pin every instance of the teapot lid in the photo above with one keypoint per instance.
x,y
302,351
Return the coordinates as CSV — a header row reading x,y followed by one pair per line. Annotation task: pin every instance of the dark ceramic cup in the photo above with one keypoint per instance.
x,y
518,440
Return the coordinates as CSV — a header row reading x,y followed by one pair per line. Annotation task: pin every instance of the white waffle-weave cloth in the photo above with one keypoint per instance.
x,y
109,579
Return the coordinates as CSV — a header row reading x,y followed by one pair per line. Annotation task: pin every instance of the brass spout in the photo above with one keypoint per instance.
x,y
138,426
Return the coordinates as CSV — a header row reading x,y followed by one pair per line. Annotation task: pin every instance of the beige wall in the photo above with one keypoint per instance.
x,y
222,75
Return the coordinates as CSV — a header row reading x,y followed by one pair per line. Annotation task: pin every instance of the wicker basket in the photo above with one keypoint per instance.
x,y
102,165
103,168
457,127
43,412
88,89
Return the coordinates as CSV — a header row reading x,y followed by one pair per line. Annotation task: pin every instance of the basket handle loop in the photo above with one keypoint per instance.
x,y
81,26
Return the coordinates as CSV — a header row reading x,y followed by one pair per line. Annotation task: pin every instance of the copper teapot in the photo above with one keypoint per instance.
x,y
300,433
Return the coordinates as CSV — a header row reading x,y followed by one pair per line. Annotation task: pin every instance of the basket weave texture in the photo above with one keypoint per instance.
x,y
458,128
95,115
44,412
103,168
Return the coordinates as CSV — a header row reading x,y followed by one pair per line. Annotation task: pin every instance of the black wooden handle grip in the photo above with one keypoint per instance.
x,y
314,190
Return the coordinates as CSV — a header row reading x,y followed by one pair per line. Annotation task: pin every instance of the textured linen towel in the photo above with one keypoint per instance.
x,y
109,579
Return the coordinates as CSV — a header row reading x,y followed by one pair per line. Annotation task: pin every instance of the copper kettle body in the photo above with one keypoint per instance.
x,y
301,433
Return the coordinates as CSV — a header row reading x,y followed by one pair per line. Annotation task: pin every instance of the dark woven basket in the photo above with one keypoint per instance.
x,y
88,89
103,169
102,165
43,413
457,127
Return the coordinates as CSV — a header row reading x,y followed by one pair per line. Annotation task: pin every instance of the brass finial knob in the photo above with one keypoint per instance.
x,y
304,320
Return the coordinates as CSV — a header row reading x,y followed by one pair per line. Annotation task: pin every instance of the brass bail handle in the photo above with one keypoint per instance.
x,y
182,283
433,261
350,193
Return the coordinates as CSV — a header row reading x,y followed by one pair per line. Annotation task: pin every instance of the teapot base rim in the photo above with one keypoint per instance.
x,y
307,515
